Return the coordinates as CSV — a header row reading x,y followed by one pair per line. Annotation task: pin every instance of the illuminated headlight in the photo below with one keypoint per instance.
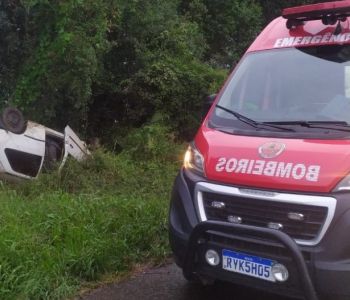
x,y
343,185
212,258
280,272
194,160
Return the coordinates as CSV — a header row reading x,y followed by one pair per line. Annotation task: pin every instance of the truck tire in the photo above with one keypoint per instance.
x,y
12,120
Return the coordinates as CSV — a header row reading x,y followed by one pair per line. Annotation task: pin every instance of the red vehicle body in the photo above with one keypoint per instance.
x,y
263,198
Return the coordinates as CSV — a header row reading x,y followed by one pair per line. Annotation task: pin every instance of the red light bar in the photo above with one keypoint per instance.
x,y
317,11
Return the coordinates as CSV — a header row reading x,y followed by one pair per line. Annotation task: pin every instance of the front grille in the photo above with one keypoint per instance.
x,y
256,212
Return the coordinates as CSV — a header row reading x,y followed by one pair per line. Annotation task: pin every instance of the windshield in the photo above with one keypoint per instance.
x,y
286,85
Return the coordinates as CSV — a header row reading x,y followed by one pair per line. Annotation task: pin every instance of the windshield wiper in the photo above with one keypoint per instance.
x,y
333,125
251,122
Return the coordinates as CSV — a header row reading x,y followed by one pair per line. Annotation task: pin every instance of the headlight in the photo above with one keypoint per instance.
x,y
194,160
343,185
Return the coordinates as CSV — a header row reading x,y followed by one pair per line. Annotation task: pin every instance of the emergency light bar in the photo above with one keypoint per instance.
x,y
329,13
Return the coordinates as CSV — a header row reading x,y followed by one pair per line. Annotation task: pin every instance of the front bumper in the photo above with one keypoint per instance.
x,y
323,269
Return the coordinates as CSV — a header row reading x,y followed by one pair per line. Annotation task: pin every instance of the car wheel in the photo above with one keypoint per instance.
x,y
12,120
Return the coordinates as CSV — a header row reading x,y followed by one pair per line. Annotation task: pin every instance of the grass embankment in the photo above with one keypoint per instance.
x,y
99,217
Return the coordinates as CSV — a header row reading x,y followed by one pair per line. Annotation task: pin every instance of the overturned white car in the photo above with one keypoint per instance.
x,y
26,147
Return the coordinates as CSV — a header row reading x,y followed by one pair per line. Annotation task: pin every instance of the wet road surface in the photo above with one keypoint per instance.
x,y
167,283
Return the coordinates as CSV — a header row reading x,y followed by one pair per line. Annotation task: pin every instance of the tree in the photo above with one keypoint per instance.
x,y
12,50
107,64
228,26
155,65
56,80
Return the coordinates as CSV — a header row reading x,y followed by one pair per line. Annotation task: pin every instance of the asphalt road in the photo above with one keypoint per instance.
x,y
167,283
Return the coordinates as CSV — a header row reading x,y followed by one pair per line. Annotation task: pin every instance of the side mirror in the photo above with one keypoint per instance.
x,y
207,103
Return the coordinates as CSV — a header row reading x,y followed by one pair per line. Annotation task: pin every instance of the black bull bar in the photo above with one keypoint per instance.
x,y
280,237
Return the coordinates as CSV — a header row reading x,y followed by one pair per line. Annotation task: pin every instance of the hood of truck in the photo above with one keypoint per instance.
x,y
273,163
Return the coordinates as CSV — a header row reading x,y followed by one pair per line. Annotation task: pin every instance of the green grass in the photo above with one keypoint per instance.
x,y
99,217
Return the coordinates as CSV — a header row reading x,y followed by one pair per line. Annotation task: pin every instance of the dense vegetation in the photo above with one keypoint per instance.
x,y
99,217
133,73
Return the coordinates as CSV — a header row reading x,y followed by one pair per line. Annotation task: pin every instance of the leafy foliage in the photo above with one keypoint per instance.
x,y
229,27
12,50
55,83
156,65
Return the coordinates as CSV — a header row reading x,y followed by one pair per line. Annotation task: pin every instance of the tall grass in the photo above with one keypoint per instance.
x,y
97,217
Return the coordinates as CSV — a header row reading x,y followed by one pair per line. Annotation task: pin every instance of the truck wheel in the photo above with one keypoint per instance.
x,y
12,120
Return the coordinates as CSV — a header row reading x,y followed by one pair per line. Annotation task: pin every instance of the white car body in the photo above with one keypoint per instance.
x,y
24,155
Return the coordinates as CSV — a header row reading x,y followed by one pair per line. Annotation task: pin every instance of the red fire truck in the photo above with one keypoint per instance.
x,y
263,198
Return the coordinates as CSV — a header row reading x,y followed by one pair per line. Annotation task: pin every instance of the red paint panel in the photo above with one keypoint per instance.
x,y
332,157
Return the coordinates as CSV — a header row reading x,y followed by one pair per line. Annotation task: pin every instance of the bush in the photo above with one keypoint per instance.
x,y
150,142
177,88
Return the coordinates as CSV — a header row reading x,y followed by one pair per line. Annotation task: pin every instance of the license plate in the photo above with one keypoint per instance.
x,y
248,265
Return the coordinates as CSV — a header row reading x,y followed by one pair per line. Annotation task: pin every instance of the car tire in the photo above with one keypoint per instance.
x,y
12,120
